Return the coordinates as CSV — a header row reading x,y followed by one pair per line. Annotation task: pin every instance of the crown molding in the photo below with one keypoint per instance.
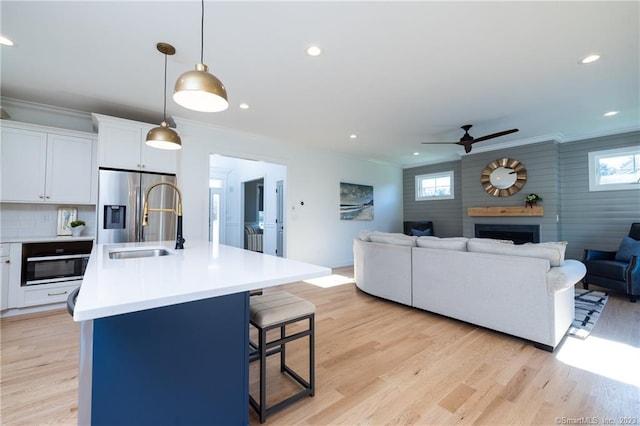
x,y
52,109
632,128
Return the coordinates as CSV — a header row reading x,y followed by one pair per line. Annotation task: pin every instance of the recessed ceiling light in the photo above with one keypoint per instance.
x,y
353,136
590,58
416,153
5,41
244,106
610,113
314,50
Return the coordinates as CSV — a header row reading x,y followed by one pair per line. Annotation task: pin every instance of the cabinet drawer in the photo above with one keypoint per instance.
x,y
42,296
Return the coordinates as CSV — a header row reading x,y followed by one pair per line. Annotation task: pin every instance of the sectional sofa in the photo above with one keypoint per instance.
x,y
522,290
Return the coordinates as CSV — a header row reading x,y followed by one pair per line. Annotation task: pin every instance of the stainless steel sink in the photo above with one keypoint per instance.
x,y
138,253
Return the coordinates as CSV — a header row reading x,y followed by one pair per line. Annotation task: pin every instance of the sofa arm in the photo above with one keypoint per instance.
x,y
562,277
598,255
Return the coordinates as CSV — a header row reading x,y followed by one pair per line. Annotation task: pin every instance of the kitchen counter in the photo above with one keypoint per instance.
x,y
202,270
46,239
165,340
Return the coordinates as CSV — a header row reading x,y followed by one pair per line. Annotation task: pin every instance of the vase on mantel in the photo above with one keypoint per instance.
x,y
76,231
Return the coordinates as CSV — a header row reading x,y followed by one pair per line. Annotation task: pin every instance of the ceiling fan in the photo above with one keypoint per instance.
x,y
467,140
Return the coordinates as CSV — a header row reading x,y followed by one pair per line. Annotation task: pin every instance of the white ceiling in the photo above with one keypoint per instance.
x,y
394,73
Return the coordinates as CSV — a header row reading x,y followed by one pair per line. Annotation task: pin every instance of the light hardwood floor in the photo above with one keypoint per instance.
x,y
379,363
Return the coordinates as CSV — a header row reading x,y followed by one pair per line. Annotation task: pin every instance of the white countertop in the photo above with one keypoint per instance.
x,y
202,270
45,239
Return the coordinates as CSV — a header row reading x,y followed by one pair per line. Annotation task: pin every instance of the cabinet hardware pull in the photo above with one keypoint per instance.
x,y
47,197
57,294
40,196
7,261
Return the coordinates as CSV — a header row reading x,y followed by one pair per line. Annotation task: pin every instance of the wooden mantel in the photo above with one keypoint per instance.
x,y
506,211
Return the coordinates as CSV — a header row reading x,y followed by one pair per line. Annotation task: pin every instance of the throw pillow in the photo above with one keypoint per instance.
x,y
548,252
451,243
561,246
628,247
421,233
392,238
490,240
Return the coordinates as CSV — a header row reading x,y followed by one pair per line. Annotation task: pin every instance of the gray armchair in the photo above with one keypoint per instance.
x,y
616,270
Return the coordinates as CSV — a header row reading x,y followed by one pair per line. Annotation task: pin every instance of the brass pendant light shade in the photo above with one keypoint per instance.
x,y
198,90
164,137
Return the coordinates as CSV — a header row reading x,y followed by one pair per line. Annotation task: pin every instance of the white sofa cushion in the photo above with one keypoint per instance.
x,y
392,238
560,246
490,240
552,252
452,243
364,234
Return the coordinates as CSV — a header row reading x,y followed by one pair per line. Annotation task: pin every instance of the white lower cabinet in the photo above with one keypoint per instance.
x,y
4,275
10,255
47,293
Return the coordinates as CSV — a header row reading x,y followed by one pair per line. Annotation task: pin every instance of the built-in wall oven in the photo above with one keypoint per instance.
x,y
54,262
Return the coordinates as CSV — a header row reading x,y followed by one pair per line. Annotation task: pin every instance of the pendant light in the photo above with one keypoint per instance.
x,y
198,90
164,137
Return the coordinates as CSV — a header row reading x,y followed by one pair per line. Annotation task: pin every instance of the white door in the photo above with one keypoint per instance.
x,y
280,218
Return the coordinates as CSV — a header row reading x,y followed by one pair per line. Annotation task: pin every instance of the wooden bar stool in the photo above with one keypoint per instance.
x,y
277,310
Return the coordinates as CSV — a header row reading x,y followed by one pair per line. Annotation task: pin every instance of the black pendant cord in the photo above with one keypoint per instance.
x,y
202,35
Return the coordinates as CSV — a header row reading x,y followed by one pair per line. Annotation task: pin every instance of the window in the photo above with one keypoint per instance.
x,y
614,169
434,186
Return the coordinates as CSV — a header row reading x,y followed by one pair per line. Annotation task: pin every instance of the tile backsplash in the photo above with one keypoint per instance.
x,y
39,220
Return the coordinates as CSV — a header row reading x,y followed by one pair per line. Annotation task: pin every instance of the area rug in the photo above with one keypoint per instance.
x,y
588,307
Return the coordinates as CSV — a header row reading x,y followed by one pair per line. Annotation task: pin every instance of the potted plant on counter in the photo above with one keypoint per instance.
x,y
76,227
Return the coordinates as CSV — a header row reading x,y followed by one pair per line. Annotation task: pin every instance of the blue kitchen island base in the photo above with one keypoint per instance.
x,y
184,364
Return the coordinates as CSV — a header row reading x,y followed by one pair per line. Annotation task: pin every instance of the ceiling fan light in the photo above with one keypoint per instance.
x,y
163,137
199,90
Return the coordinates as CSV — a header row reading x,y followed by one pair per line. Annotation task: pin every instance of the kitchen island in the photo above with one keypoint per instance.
x,y
164,339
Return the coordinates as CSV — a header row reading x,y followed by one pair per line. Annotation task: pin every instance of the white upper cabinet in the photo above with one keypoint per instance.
x,y
121,145
46,165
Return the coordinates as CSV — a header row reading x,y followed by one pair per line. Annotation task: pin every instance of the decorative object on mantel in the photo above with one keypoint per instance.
x,y
532,199
76,227
503,177
505,211
66,215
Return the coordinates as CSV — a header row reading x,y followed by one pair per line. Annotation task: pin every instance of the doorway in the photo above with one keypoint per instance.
x,y
250,192
253,214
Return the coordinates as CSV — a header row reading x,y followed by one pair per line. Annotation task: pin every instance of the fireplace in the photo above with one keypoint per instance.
x,y
519,234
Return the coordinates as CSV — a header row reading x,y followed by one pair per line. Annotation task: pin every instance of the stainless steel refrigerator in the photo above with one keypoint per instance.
x,y
120,199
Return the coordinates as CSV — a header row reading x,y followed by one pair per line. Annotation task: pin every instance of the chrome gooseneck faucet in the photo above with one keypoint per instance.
x,y
178,212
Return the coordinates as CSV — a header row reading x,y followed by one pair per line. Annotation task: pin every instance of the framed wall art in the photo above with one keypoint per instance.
x,y
356,201
66,215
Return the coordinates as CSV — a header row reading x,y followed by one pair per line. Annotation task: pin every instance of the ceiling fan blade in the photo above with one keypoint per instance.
x,y
439,143
494,135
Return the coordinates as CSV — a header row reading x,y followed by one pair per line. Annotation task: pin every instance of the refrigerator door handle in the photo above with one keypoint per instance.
x,y
139,227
